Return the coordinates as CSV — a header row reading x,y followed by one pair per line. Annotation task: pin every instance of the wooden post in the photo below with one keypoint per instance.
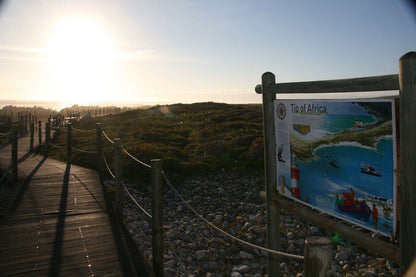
x,y
32,135
69,141
318,256
270,167
118,183
47,137
407,80
157,217
40,132
14,133
26,123
99,148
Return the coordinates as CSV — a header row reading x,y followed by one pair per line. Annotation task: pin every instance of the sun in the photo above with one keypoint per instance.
x,y
81,57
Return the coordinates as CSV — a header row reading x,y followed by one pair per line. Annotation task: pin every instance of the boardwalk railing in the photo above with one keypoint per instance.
x,y
314,246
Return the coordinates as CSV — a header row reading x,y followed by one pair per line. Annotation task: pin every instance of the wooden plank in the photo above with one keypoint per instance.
x,y
376,83
61,218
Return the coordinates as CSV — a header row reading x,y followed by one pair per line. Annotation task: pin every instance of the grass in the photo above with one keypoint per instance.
x,y
191,139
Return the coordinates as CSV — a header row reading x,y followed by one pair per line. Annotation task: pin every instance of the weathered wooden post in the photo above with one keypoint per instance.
x,y
21,125
407,80
26,123
69,141
47,137
14,133
32,136
270,167
99,148
40,132
318,256
118,181
157,216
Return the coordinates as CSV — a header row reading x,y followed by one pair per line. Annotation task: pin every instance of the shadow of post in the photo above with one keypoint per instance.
x,y
60,226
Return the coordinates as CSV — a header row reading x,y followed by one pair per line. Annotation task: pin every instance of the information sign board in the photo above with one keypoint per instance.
x,y
339,156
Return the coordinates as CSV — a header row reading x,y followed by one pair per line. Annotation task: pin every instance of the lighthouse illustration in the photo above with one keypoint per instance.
x,y
294,172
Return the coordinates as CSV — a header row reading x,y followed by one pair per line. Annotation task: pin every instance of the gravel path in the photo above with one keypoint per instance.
x,y
232,202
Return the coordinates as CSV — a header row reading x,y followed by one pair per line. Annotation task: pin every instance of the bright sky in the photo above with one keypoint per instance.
x,y
192,51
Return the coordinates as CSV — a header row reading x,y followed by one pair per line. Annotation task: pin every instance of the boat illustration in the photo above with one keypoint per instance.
x,y
357,208
370,171
332,161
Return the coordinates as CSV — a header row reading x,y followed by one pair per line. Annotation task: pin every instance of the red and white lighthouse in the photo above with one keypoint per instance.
x,y
294,173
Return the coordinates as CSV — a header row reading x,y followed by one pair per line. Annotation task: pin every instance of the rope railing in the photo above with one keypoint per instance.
x,y
84,131
108,167
5,134
57,127
83,151
4,122
107,137
283,254
134,158
136,203
57,146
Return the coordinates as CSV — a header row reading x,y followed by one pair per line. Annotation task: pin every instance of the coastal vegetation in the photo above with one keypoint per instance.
x,y
191,139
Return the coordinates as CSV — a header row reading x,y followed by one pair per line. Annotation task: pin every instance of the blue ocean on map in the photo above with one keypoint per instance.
x,y
350,167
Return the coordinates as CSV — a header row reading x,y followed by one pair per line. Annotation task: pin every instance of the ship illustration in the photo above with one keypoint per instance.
x,y
357,208
332,161
370,171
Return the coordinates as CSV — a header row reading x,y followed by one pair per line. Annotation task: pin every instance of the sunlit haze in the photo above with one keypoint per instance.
x,y
152,52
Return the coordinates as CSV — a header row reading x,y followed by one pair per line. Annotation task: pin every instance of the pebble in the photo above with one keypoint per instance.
x,y
232,203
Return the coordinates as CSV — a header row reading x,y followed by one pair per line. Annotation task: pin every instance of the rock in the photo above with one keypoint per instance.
x,y
242,268
343,255
245,255
236,274
290,236
200,254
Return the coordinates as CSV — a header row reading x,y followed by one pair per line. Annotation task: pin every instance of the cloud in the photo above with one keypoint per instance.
x,y
28,54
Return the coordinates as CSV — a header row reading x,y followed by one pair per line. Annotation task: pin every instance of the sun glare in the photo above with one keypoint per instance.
x,y
81,57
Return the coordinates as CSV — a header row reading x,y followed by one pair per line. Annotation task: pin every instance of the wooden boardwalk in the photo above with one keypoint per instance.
x,y
58,224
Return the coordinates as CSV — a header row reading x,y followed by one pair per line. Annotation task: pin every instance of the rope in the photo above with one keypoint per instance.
x,y
84,131
108,167
57,146
134,158
137,204
5,134
84,151
105,135
57,128
4,122
224,232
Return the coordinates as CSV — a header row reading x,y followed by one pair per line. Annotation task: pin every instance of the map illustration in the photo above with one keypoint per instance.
x,y
339,157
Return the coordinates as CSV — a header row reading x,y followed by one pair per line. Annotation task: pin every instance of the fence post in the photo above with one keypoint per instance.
x,y
407,79
157,216
272,208
117,172
99,148
32,135
69,141
47,137
318,256
40,132
14,134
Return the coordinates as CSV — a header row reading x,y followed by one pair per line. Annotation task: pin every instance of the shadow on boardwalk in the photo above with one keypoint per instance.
x,y
59,224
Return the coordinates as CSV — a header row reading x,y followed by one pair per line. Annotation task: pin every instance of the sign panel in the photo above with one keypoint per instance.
x,y
339,157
